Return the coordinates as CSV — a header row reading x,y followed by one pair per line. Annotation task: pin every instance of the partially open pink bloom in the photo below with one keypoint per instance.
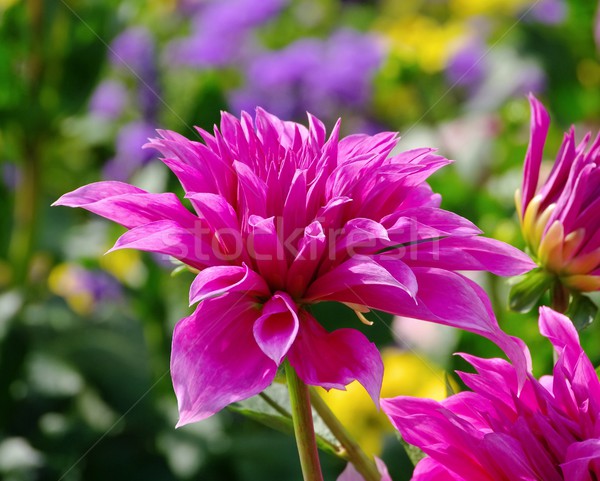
x,y
283,218
560,219
549,430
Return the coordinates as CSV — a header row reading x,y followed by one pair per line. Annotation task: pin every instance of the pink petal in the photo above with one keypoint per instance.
x,y
310,250
218,280
429,470
223,222
351,474
439,433
413,224
276,329
582,460
267,251
169,238
335,359
128,205
473,253
358,272
215,360
540,122
576,366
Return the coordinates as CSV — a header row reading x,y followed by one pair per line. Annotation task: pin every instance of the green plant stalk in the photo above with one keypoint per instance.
x,y
362,463
303,426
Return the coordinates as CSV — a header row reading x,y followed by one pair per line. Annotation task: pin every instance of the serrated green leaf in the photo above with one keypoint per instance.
x,y
272,408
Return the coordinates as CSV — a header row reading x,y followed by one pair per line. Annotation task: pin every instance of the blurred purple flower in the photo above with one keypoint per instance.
x,y
10,174
220,31
467,66
133,50
109,99
84,289
550,12
129,154
549,429
321,76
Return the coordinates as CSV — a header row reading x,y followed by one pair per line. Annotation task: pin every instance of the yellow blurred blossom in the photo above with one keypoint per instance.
x,y
126,265
422,40
469,8
83,289
406,374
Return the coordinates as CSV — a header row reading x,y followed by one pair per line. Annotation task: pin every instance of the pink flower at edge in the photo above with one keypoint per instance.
x,y
285,217
560,219
548,430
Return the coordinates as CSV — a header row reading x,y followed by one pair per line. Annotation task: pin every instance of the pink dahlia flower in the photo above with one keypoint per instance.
x,y
549,430
559,219
285,218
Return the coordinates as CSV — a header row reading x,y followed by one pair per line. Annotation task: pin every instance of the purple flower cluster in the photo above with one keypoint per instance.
x,y
323,76
221,31
132,57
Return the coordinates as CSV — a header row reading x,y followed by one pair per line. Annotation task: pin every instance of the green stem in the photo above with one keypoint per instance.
x,y
363,463
303,426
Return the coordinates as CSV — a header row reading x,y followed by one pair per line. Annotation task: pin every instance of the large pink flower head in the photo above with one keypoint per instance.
x,y
549,430
560,219
285,217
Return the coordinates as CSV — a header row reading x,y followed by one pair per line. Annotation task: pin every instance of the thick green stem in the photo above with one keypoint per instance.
x,y
303,426
363,463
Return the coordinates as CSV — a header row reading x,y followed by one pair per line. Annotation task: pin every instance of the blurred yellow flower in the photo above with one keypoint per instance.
x,y
126,265
83,289
423,40
469,8
406,374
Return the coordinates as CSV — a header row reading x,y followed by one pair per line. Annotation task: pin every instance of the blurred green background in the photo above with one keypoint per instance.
x,y
85,392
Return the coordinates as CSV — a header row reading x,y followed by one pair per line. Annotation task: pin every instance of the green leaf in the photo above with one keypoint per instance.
x,y
414,454
448,383
272,408
527,292
582,311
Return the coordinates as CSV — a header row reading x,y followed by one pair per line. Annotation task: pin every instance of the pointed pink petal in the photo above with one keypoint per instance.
x,y
128,205
439,433
215,360
276,329
472,253
413,224
218,280
540,122
429,470
266,250
359,272
223,222
169,238
310,250
573,364
442,296
335,359
351,474
582,460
